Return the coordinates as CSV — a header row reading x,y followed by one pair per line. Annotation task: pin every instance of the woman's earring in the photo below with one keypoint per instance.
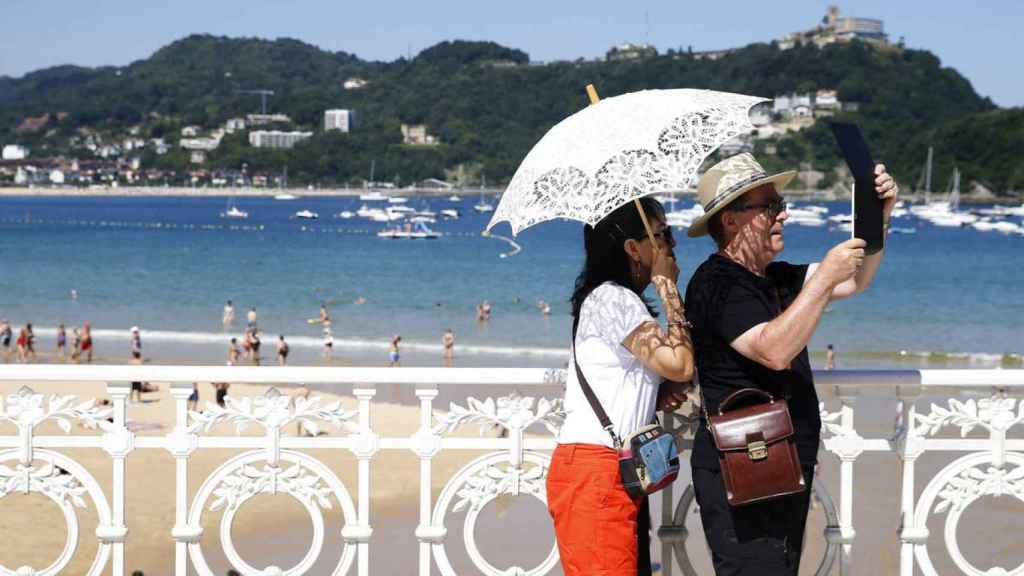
x,y
636,272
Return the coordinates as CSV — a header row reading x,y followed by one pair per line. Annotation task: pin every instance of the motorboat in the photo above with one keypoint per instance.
x,y
306,215
374,196
285,197
454,198
451,213
234,212
397,200
416,231
344,214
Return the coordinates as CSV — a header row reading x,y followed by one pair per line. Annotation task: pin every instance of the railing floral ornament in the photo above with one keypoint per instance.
x,y
53,475
305,479
993,471
513,472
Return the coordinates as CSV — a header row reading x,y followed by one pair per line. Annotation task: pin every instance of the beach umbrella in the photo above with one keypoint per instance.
x,y
618,150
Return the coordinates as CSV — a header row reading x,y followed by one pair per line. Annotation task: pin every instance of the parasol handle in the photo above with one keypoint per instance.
x,y
592,94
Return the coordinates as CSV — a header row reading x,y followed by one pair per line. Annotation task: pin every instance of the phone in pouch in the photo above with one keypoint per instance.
x,y
866,206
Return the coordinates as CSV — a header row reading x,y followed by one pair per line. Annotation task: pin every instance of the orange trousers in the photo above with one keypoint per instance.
x,y
595,520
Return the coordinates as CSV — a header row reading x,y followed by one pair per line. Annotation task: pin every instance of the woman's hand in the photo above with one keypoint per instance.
x,y
671,395
665,265
886,188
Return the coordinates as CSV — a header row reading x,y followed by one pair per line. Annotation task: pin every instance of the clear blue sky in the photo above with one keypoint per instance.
x,y
980,39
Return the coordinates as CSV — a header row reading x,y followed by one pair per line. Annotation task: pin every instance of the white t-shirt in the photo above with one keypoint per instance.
x,y
626,389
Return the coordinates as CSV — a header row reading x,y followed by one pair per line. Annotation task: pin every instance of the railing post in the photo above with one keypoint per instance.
x,y
426,445
367,445
850,451
118,442
910,447
181,442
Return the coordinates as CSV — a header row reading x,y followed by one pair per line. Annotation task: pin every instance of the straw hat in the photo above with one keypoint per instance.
x,y
727,181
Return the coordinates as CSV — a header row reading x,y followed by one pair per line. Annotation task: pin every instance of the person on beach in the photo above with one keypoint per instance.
x,y
328,342
22,344
393,357
228,317
62,341
233,352
544,307
221,392
483,312
255,344
193,398
139,387
87,344
282,350
325,318
830,358
30,342
751,319
5,338
634,366
250,318
136,341
76,345
448,345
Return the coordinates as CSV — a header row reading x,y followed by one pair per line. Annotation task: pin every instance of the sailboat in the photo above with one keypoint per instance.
x,y
947,213
233,211
483,206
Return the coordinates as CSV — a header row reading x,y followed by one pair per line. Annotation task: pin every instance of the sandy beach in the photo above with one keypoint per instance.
x,y
150,494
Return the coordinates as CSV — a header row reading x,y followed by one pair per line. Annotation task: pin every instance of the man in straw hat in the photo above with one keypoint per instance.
x,y
752,319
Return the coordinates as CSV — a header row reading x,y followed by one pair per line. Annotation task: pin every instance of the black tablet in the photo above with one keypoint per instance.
x,y
866,206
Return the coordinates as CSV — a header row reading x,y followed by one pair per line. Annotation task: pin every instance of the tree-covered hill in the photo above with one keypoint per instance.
x,y
488,104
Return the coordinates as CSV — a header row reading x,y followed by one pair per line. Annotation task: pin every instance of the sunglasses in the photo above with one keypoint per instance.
x,y
665,234
772,209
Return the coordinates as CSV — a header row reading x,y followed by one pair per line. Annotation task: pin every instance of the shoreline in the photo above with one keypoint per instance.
x,y
186,192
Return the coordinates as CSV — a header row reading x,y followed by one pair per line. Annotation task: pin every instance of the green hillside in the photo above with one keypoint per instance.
x,y
488,105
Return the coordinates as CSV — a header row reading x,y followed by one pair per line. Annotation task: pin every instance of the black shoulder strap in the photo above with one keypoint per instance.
x,y
606,422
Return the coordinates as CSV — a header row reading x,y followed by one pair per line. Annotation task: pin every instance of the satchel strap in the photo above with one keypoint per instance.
x,y
595,404
741,395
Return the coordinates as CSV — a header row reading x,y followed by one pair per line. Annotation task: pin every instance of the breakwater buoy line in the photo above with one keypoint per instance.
x,y
516,248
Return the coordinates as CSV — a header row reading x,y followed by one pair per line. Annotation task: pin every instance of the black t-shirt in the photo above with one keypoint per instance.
x,y
724,300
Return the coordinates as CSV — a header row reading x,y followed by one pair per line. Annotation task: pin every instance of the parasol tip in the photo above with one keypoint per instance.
x,y
592,94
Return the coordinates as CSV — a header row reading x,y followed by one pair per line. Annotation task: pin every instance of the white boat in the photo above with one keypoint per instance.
x,y
946,213
344,214
285,197
418,231
683,218
423,219
450,213
806,215
998,226
397,200
454,198
482,205
233,211
401,209
374,196
306,215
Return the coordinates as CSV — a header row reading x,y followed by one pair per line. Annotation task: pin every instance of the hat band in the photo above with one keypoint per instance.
x,y
746,181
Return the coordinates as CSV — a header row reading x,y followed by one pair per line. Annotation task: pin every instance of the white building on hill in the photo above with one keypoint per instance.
x,y
276,139
340,119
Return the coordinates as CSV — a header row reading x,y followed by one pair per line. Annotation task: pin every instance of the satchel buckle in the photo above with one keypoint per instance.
x,y
757,450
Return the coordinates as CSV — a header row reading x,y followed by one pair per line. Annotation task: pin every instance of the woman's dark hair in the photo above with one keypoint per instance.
x,y
605,257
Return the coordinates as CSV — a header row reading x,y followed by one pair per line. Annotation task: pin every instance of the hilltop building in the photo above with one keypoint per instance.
x,y
261,119
416,134
276,139
340,119
354,83
834,28
15,152
631,52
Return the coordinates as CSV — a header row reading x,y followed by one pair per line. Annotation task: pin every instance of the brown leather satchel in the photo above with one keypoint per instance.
x,y
756,447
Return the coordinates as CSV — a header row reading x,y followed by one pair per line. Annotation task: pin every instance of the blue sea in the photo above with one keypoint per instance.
x,y
944,297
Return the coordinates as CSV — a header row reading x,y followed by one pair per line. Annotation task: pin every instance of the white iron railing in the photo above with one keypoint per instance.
x,y
512,465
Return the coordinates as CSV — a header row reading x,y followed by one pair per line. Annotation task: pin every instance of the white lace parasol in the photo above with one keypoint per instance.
x,y
618,150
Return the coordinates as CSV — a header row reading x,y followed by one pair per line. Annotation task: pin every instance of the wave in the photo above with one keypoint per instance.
x,y
221,338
